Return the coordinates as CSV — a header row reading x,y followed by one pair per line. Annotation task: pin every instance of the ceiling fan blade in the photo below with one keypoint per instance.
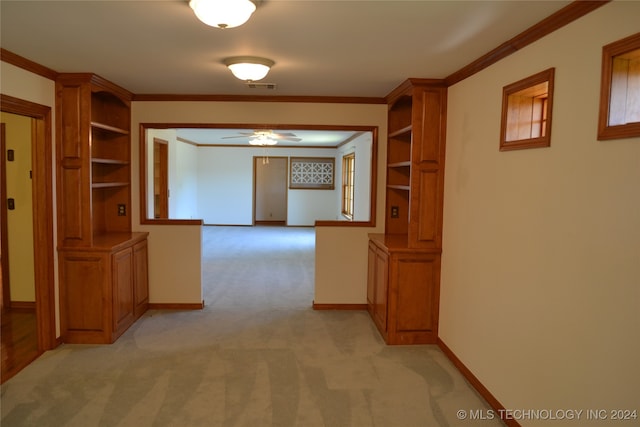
x,y
291,139
285,134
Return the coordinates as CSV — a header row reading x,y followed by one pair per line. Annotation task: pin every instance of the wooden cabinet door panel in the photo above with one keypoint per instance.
x,y
427,232
415,295
140,279
371,277
381,289
82,289
122,289
431,124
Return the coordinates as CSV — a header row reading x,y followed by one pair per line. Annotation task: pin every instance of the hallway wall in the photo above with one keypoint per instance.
x,y
541,254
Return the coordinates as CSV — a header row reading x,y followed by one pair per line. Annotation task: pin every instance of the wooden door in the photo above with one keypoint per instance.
x,y
4,245
160,178
270,198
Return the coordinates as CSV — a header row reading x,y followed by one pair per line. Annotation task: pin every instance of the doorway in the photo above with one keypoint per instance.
x,y
41,177
270,190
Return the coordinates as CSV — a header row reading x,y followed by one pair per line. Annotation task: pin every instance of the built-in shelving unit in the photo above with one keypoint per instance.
x,y
404,262
103,264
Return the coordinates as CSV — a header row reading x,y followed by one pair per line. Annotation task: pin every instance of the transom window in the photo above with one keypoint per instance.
x,y
526,112
620,89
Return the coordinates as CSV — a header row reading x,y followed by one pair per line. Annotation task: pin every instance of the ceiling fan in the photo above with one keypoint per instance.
x,y
265,137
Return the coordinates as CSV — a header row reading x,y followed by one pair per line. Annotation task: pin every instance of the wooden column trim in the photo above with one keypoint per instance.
x,y
42,153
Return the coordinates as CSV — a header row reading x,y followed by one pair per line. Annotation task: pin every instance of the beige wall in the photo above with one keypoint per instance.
x,y
20,219
341,263
541,255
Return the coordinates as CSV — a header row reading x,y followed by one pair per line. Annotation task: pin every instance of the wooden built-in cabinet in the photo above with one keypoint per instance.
x,y
103,264
404,262
104,289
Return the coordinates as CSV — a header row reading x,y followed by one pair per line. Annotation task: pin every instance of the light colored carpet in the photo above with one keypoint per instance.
x,y
257,355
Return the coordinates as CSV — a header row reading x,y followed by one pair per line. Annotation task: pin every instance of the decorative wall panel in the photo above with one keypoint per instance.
x,y
312,173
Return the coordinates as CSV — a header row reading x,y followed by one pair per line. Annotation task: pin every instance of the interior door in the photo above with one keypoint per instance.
x,y
4,245
160,178
270,201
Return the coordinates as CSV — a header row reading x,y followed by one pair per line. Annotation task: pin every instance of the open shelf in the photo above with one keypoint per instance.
x,y
399,187
400,164
109,161
405,131
109,184
102,126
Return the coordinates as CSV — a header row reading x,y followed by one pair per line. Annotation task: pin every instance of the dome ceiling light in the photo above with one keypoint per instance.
x,y
249,68
223,13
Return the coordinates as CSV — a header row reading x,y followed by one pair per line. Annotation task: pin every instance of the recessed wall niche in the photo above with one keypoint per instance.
x,y
526,112
620,89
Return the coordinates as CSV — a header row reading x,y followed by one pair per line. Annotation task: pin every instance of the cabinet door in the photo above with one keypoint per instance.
x,y
140,278
381,289
84,297
122,270
416,296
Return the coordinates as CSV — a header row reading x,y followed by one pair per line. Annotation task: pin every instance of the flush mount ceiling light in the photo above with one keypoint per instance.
x,y
223,13
249,68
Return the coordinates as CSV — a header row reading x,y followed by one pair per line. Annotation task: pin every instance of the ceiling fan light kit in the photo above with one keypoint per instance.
x,y
265,137
249,68
223,13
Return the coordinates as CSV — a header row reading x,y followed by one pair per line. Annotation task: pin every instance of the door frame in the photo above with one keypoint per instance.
x,y
43,214
257,159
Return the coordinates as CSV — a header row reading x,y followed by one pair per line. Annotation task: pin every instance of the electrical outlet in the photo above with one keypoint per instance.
x,y
122,209
395,212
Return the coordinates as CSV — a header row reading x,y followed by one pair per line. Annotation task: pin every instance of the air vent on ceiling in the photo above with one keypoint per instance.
x,y
255,85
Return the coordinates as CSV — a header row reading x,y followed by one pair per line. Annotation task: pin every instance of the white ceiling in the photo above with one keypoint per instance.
x,y
309,138
343,48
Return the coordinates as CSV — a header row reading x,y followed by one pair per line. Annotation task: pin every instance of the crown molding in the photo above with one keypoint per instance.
x,y
564,16
26,64
258,98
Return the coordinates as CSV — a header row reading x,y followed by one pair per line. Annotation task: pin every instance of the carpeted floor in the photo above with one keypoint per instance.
x,y
256,355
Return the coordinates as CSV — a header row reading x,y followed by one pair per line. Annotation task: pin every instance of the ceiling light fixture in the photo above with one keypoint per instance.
x,y
249,68
223,13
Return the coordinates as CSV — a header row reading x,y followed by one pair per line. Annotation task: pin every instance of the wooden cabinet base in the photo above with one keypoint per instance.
x,y
403,291
103,289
